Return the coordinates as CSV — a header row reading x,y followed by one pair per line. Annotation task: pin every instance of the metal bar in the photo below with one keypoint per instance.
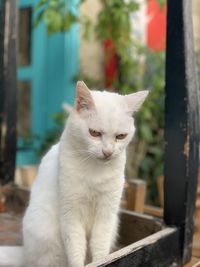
x,y
181,124
8,91
160,249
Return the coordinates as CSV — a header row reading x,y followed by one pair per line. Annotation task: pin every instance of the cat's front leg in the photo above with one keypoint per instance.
x,y
74,238
103,235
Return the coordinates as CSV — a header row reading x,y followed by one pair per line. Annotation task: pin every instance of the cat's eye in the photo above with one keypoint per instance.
x,y
94,133
121,136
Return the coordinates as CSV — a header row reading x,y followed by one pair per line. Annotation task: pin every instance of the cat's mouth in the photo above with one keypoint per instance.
x,y
105,159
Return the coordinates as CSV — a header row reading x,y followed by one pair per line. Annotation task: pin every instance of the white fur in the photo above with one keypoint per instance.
x,y
72,217
11,256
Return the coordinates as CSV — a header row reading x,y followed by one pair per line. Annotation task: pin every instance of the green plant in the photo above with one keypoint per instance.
x,y
114,24
146,153
57,15
150,123
161,2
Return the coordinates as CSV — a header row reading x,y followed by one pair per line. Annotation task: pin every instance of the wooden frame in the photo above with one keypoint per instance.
x,y
169,242
7,90
181,124
148,252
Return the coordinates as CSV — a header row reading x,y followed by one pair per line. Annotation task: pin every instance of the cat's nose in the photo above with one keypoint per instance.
x,y
107,153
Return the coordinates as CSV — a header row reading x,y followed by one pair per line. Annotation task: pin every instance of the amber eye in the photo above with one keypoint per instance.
x,y
94,133
121,136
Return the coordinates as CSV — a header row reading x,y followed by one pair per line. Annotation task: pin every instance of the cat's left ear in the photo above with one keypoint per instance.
x,y
134,101
83,100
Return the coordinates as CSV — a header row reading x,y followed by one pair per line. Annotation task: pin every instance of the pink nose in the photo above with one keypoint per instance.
x,y
107,153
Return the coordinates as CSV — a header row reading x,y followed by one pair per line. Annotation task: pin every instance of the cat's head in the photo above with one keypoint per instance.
x,y
102,122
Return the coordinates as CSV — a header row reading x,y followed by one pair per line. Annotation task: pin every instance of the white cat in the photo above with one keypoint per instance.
x,y
74,204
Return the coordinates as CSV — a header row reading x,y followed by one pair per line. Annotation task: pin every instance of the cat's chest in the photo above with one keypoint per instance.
x,y
92,172
90,194
90,185
91,182
90,199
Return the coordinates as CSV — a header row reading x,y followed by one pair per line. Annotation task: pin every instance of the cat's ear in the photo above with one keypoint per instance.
x,y
83,100
134,101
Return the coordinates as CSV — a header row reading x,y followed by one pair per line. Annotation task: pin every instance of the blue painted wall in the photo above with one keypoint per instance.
x,y
53,66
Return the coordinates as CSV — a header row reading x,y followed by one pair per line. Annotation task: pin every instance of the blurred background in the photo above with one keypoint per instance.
x,y
114,45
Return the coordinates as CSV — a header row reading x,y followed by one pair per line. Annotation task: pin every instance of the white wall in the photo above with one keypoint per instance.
x,y
139,22
91,52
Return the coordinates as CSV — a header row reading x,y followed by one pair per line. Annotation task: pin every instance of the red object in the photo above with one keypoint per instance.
x,y
110,69
156,26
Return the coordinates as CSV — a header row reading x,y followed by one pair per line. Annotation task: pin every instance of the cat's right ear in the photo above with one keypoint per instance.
x,y
83,100
135,100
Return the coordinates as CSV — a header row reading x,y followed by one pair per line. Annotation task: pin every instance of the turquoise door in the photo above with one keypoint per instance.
x,y
46,67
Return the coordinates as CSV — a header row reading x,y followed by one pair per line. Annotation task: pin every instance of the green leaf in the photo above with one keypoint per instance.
x,y
87,27
41,3
161,2
145,131
39,18
157,151
133,6
69,20
53,21
53,4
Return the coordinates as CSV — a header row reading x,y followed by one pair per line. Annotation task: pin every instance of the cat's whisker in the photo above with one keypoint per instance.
x,y
84,160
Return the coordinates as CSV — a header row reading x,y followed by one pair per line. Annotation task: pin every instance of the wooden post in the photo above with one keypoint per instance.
x,y
136,193
181,124
8,26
